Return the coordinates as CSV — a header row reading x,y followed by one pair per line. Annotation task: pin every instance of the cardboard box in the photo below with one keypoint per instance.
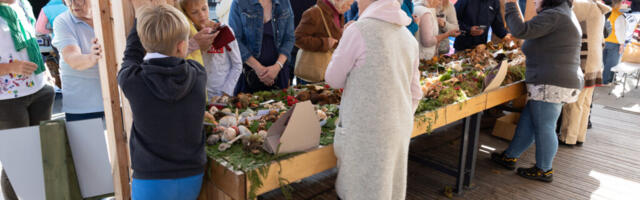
x,y
506,125
296,131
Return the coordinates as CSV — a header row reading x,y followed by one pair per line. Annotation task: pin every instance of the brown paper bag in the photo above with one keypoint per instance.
x,y
297,130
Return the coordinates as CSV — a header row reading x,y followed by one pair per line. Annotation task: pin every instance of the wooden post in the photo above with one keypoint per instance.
x,y
60,179
531,10
103,21
123,12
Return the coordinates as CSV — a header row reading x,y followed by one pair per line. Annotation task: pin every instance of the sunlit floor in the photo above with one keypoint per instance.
x,y
611,96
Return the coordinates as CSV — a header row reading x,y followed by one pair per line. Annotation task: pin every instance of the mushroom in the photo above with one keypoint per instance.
x,y
228,121
227,145
213,109
229,134
321,115
213,139
262,133
244,130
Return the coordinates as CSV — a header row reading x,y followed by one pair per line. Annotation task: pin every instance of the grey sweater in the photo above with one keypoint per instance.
x,y
552,45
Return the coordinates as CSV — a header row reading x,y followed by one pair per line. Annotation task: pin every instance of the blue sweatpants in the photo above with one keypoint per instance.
x,y
187,188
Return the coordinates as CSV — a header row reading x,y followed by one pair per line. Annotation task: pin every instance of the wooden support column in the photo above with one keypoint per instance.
x,y
60,179
103,21
531,10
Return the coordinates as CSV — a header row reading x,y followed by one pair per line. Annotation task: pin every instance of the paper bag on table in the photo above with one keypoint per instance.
x,y
297,130
496,81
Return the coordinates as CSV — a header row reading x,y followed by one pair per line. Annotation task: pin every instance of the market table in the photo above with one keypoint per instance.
x,y
223,183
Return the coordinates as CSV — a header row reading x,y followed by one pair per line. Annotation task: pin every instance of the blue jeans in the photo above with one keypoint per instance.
x,y
537,123
77,117
611,58
187,188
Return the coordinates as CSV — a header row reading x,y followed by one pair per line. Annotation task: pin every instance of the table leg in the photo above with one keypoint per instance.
x,y
472,148
462,164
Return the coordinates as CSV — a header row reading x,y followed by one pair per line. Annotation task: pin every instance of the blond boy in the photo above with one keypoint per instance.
x,y
167,97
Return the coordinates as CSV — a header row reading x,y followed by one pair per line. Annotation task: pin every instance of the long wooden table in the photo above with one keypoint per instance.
x,y
228,184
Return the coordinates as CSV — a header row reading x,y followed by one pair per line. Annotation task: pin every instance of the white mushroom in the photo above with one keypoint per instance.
x,y
229,134
321,115
213,110
244,130
213,139
228,121
227,145
263,133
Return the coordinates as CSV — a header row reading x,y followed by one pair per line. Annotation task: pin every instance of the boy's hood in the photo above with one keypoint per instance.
x,y
169,79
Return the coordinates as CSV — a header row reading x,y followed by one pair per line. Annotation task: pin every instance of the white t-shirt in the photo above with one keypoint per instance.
x,y
11,85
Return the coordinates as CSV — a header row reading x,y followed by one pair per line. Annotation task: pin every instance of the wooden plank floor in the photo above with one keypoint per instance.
x,y
606,167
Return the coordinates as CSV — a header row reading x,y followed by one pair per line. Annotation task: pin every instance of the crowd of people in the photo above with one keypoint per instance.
x,y
179,55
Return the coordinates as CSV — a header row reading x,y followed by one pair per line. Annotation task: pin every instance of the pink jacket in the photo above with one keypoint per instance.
x,y
350,53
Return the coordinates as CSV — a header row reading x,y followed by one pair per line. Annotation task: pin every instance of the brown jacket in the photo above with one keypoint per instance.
x,y
311,34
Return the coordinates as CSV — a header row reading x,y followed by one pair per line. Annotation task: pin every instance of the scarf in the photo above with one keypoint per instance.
x,y
336,14
21,39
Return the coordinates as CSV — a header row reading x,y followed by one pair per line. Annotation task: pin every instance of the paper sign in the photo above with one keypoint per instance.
x,y
295,131
21,157
20,154
497,80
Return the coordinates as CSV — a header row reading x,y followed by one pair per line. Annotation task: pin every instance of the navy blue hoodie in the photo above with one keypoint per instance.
x,y
476,13
167,97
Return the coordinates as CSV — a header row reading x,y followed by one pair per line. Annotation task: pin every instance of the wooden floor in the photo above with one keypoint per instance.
x,y
606,167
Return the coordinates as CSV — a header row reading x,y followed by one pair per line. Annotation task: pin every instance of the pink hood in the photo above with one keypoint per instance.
x,y
387,10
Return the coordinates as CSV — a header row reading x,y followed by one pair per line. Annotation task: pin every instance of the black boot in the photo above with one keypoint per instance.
x,y
560,142
535,173
501,159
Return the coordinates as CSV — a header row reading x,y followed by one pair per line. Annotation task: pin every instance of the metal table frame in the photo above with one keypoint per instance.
x,y
466,168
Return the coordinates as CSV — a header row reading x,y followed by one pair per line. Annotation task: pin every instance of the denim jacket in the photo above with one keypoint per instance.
x,y
246,20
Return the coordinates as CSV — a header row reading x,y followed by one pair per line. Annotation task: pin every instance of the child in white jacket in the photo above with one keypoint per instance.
x,y
223,65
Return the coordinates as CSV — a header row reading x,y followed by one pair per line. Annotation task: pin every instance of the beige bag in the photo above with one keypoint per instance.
x,y
631,52
310,66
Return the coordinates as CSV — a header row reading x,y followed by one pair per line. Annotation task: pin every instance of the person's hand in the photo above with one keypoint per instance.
x,y
508,37
271,74
96,51
476,31
441,22
621,49
261,72
204,38
348,24
332,43
453,33
208,117
25,68
416,19
141,3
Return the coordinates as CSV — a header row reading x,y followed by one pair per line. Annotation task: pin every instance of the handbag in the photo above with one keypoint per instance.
x,y
631,52
310,66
